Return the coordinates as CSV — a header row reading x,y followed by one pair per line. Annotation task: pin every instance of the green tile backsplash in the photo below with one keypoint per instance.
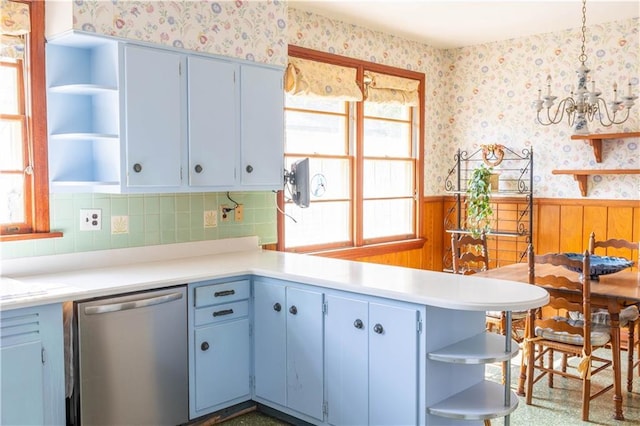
x,y
153,219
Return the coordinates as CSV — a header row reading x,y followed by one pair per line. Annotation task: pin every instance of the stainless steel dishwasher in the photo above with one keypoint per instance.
x,y
131,359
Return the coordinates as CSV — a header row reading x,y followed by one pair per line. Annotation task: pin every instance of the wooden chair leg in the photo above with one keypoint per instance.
x,y
487,422
631,343
530,371
549,374
586,391
522,378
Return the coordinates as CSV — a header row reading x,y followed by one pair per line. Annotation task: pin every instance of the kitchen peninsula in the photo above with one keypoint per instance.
x,y
315,369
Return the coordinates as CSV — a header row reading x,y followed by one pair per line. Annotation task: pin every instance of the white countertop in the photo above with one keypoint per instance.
x,y
52,279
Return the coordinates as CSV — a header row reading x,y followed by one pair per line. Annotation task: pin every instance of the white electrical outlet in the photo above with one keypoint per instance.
x,y
90,219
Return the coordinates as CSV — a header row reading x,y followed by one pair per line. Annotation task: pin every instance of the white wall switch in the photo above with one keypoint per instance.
x,y
90,219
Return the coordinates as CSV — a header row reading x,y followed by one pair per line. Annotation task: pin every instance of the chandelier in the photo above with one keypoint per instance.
x,y
583,105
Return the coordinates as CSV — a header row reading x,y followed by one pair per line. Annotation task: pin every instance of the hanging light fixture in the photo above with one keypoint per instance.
x,y
584,105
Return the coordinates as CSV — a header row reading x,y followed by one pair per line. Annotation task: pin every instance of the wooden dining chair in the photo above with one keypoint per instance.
x,y
549,331
629,318
470,255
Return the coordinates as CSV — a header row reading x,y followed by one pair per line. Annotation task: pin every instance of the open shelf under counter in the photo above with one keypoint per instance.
x,y
595,140
581,175
485,400
483,348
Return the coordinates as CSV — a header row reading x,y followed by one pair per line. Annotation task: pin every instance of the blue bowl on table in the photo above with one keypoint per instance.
x,y
600,265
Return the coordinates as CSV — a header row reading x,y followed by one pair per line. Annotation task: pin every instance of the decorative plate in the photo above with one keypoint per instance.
x,y
601,265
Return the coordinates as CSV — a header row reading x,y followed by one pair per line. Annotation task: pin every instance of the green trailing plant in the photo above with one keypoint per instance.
x,y
479,211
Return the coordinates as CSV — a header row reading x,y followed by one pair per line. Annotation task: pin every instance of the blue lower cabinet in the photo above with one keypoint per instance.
x,y
219,345
32,366
372,361
222,363
288,347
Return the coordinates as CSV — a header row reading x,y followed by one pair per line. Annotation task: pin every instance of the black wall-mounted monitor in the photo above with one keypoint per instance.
x,y
300,182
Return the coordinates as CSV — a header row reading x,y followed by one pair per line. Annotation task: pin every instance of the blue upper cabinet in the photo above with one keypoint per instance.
x,y
262,118
153,114
126,117
213,122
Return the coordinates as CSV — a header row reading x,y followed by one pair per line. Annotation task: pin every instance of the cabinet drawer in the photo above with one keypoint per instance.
x,y
222,293
218,313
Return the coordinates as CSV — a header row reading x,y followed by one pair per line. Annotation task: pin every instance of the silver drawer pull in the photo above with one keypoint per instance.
x,y
224,312
224,293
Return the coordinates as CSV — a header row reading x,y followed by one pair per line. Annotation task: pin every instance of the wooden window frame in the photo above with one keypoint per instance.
x,y
37,206
382,245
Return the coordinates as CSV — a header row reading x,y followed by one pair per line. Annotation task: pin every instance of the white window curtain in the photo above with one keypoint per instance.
x,y
15,24
384,88
319,79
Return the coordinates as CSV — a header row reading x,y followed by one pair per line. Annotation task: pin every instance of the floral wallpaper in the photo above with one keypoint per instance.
x,y
251,30
475,95
490,89
483,94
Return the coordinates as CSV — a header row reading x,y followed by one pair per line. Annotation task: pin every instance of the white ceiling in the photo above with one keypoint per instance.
x,y
457,23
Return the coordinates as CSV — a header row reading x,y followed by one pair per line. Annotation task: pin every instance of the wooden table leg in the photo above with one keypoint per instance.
x,y
615,353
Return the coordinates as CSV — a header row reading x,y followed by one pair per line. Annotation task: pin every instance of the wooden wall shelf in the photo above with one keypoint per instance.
x,y
581,175
595,140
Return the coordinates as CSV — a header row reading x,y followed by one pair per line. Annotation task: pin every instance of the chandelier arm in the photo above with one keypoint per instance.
x,y
558,115
610,120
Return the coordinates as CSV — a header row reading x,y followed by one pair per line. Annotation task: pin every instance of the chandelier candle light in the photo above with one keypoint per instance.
x,y
584,105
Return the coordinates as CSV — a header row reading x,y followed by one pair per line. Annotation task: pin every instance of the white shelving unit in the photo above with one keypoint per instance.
x,y
83,113
486,399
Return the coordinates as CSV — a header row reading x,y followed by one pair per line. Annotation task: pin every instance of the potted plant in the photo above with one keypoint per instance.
x,y
479,211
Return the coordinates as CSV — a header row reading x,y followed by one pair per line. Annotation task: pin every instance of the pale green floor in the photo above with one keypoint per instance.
x,y
560,406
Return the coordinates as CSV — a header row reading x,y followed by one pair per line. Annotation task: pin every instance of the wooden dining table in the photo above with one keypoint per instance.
x,y
613,292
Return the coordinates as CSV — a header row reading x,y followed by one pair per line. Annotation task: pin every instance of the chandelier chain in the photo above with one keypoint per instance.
x,y
583,56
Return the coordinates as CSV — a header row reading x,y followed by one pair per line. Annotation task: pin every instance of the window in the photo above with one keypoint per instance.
x,y
24,190
365,161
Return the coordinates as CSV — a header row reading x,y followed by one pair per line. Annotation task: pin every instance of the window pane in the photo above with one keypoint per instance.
x,y
388,178
315,104
8,88
386,138
384,218
11,145
12,198
315,133
321,223
398,112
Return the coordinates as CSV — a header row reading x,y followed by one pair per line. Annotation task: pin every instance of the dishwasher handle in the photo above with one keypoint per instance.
x,y
134,304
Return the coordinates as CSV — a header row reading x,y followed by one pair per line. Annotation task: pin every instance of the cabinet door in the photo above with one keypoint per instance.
x,y
222,363
347,351
21,390
304,352
154,96
32,366
213,128
393,392
262,127
270,342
